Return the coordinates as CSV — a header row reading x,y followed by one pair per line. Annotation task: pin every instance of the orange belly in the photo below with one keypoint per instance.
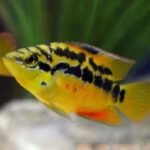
x,y
71,94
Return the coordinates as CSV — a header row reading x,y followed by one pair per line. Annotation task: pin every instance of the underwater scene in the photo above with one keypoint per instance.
x,y
74,75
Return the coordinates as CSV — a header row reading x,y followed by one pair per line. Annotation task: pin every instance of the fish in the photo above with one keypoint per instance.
x,y
7,44
73,77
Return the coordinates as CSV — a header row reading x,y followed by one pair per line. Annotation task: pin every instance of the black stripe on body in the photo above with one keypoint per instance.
x,y
44,67
107,85
93,64
69,54
101,69
115,92
107,71
76,71
87,75
98,81
122,95
60,66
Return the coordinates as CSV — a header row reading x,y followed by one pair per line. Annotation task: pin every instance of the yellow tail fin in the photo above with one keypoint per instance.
x,y
136,105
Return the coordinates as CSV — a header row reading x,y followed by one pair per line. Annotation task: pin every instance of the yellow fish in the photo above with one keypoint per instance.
x,y
82,79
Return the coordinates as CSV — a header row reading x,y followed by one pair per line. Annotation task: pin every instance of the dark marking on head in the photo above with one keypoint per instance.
x,y
69,54
28,49
19,51
35,53
76,71
43,83
44,67
107,85
122,95
98,81
87,75
43,52
18,59
115,92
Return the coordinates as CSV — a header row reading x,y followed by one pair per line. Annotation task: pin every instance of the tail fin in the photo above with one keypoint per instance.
x,y
136,104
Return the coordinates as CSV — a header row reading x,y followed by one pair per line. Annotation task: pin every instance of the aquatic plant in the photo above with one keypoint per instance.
x,y
119,26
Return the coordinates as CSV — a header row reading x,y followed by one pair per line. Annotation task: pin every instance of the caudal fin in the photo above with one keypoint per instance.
x,y
136,104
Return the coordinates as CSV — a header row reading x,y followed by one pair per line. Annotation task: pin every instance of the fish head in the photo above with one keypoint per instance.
x,y
30,68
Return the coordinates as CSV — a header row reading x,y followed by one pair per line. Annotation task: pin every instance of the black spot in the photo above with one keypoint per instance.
x,y
115,92
43,83
44,67
87,75
69,54
122,95
98,81
43,52
76,71
107,85
60,66
93,64
107,71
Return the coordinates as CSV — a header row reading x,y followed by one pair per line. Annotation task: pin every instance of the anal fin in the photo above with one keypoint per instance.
x,y
107,115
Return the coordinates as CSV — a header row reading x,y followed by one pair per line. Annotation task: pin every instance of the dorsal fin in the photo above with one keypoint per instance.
x,y
7,44
119,66
90,48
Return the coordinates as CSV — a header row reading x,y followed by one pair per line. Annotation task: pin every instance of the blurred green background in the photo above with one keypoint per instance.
x,y
119,26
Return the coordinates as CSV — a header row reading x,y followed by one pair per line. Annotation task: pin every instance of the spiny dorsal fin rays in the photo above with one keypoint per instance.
x,y
119,66
7,44
90,48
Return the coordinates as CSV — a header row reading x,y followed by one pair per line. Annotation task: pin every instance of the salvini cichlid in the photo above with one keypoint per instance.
x,y
82,79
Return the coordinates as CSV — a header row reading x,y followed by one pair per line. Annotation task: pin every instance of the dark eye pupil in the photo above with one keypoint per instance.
x,y
31,59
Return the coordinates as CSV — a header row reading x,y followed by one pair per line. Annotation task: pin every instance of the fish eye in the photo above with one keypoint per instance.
x,y
31,60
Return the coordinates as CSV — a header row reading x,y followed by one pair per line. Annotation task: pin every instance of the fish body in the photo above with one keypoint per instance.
x,y
80,78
